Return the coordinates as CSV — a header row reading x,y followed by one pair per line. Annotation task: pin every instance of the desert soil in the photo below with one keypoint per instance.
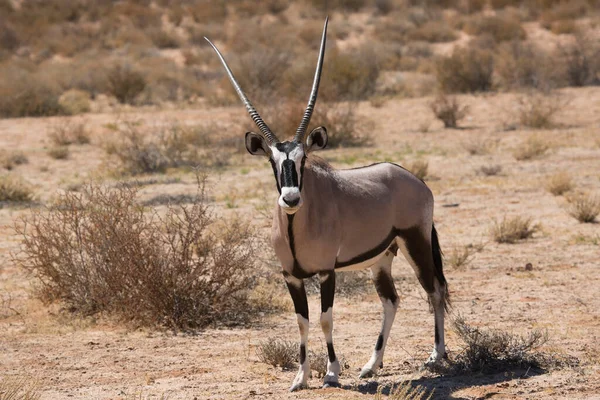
x,y
97,359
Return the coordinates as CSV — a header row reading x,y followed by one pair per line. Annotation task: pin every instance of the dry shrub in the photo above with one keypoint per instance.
x,y
460,257
419,168
581,61
534,147
125,82
350,75
434,32
466,70
384,7
59,152
448,110
538,109
404,391
162,39
584,207
491,169
560,183
523,65
10,160
19,388
279,353
563,11
74,102
492,351
500,27
67,131
511,230
477,146
99,251
13,189
166,147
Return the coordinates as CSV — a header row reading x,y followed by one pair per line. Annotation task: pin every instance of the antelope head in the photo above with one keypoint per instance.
x,y
288,157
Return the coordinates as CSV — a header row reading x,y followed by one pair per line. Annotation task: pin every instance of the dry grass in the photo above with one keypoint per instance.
x,y
466,70
501,27
538,110
14,189
534,147
559,183
277,352
125,82
404,391
9,160
521,64
99,251
492,351
480,145
59,152
419,168
448,110
490,169
19,388
584,207
434,32
512,230
74,101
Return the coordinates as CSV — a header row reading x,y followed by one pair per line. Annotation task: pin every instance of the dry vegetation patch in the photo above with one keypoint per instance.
x,y
512,230
19,388
533,147
584,207
490,169
14,189
100,251
539,110
12,159
448,110
467,70
560,183
419,168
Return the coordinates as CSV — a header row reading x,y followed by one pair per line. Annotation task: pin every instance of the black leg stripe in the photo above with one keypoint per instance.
x,y
379,344
302,354
331,352
385,287
299,298
437,335
327,290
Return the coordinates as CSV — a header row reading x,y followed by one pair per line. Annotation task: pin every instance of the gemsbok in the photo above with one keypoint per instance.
x,y
329,220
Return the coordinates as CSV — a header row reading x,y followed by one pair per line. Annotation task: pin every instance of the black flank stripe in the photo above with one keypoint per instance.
x,y
380,248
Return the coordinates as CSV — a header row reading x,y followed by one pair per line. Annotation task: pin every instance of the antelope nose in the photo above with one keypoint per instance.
x,y
292,202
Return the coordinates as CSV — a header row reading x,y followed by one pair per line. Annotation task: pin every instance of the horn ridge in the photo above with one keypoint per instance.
x,y
301,131
270,136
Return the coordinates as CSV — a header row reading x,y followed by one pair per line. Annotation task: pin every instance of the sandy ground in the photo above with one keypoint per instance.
x,y
88,359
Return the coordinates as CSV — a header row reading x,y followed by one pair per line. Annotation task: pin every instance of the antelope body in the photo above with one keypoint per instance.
x,y
329,220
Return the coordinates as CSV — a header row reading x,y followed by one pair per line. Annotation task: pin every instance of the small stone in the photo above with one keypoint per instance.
x,y
528,267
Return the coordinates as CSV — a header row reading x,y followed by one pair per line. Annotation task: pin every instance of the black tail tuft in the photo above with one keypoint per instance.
x,y
439,266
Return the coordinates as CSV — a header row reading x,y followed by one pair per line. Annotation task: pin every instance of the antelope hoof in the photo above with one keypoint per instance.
x,y
366,373
434,359
331,385
298,386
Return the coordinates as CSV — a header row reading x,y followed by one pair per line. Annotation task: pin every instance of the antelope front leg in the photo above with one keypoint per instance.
x,y
327,293
382,276
298,293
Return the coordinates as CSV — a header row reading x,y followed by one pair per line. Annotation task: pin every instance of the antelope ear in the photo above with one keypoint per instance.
x,y
316,139
257,145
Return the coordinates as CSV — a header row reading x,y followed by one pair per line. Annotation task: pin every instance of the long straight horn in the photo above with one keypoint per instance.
x,y
315,90
270,136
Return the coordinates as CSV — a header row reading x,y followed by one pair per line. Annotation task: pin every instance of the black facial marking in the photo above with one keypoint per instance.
x,y
289,176
297,271
331,352
302,354
286,147
379,344
302,172
275,173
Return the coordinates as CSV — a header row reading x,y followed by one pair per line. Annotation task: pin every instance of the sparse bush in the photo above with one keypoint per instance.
x,y
74,102
477,146
278,353
584,207
448,110
66,132
98,251
350,75
59,152
582,61
523,65
500,27
534,147
384,7
560,183
466,70
419,168
9,160
562,12
162,39
493,351
125,82
490,170
23,94
511,230
405,391
460,257
14,190
538,110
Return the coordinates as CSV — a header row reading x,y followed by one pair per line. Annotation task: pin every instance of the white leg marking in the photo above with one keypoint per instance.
x,y
301,379
333,368
439,348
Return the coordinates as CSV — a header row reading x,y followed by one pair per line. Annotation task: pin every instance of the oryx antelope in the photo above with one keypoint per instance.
x,y
329,220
